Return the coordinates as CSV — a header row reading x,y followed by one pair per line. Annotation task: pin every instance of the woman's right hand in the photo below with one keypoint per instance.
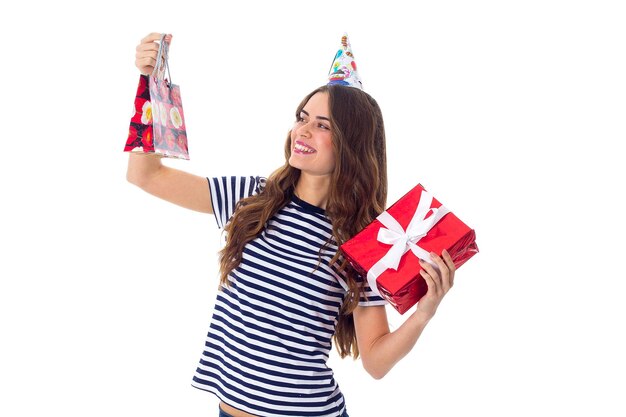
x,y
146,55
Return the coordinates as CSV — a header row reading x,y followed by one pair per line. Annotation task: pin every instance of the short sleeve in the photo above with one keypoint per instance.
x,y
368,298
227,191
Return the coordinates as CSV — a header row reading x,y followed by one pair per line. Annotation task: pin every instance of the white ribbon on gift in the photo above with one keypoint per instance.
x,y
402,241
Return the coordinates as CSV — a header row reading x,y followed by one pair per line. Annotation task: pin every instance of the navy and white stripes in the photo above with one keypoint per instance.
x,y
270,334
226,191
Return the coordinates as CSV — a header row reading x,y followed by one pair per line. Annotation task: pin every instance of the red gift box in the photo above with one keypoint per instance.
x,y
388,250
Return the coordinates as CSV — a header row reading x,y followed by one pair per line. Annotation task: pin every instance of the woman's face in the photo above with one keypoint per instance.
x,y
311,139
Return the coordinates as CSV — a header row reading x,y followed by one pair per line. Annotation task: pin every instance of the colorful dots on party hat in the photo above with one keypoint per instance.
x,y
343,69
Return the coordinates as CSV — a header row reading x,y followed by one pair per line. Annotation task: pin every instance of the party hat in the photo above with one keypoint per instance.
x,y
343,69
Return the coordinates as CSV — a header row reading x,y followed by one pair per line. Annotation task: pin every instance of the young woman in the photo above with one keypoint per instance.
x,y
285,289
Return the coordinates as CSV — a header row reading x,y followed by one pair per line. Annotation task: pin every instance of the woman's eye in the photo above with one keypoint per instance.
x,y
323,126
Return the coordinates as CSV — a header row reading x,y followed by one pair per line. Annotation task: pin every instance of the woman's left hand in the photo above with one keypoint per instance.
x,y
439,283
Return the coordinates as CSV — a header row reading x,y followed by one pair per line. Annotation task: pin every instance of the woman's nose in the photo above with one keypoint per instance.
x,y
303,129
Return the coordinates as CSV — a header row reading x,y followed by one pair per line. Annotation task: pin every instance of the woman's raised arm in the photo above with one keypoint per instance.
x,y
146,170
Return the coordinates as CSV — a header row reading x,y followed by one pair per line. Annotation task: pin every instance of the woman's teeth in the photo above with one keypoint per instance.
x,y
303,148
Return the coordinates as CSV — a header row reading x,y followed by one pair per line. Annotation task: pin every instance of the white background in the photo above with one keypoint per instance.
x,y
511,113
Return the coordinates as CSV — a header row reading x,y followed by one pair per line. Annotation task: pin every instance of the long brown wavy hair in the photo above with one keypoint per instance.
x,y
357,194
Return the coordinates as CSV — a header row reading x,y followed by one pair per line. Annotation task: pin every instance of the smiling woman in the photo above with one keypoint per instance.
x,y
286,292
312,144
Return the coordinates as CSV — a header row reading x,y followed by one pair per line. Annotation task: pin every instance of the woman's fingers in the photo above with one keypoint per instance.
x,y
443,271
451,268
154,36
145,57
444,277
439,280
430,282
145,63
433,274
144,47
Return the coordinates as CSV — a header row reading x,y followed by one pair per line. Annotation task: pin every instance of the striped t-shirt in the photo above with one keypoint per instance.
x,y
270,334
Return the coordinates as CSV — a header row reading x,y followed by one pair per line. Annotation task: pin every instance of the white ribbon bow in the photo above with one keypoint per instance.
x,y
402,241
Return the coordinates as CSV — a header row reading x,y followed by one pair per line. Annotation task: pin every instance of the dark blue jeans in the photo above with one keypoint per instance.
x,y
225,414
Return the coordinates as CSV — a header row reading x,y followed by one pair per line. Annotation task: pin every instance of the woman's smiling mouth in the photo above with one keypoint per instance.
x,y
300,147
